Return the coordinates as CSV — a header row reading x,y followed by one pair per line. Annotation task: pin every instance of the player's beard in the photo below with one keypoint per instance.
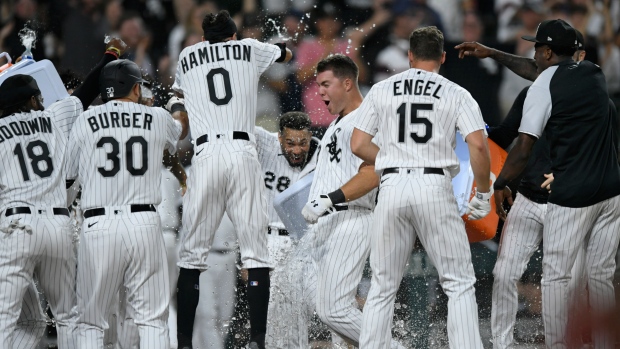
x,y
292,164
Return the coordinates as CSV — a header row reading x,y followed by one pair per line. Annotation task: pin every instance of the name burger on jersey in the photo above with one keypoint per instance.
x,y
216,53
118,120
26,128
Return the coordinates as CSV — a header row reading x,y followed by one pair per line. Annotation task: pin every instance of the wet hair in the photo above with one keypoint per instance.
x,y
294,120
341,66
218,27
426,43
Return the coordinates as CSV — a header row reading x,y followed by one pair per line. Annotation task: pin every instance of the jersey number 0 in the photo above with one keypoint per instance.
x,y
223,100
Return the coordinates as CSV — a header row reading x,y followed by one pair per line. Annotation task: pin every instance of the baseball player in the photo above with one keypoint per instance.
x,y
415,114
116,150
219,79
523,229
584,205
34,219
285,157
342,197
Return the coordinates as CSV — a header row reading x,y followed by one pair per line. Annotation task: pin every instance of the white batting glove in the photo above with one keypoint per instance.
x,y
480,205
172,101
317,208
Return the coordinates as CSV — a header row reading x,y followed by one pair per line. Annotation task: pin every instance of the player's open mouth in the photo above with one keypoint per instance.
x,y
326,102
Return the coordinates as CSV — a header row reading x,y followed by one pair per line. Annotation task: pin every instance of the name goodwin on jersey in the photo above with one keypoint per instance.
x,y
26,128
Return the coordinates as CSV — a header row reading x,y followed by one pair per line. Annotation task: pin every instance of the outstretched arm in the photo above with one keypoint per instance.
x,y
524,67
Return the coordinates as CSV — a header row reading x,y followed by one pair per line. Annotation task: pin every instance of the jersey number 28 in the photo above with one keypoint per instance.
x,y
415,119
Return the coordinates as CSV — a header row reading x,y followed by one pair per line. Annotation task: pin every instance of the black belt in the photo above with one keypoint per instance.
x,y
236,135
281,232
59,211
427,170
93,212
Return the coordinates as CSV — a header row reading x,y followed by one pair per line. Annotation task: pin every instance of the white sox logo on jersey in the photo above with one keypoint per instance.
x,y
334,152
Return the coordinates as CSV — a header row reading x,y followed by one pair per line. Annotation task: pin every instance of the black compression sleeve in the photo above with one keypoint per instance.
x,y
89,89
282,47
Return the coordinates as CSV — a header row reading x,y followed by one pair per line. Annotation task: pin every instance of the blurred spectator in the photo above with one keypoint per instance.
x,y
310,51
394,59
189,20
24,13
281,77
113,14
451,13
429,15
481,77
82,36
610,55
138,40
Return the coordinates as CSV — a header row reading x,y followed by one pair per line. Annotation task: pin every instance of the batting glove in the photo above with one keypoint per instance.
x,y
318,207
175,103
479,206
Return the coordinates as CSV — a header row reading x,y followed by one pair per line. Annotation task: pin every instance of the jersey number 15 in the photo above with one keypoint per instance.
x,y
415,119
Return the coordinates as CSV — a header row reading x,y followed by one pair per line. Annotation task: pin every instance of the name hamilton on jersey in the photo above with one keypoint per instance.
x,y
216,53
25,128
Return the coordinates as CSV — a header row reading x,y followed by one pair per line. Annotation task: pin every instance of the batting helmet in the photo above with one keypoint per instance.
x,y
118,78
17,89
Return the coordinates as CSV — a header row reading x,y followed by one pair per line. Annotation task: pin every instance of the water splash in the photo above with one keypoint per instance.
x,y
106,39
279,29
28,38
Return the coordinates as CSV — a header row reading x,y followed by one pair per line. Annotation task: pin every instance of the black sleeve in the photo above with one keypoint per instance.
x,y
89,89
282,47
508,130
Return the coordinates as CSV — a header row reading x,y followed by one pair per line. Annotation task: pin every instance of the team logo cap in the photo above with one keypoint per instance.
x,y
554,32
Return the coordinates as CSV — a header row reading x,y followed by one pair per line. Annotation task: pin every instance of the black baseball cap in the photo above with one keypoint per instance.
x,y
17,89
555,32
580,40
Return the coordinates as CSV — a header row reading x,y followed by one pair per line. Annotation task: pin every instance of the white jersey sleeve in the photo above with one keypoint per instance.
x,y
73,152
537,105
366,119
266,54
469,117
65,111
173,132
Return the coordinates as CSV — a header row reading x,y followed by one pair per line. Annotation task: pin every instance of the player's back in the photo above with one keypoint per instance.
x,y
220,83
421,112
118,148
32,152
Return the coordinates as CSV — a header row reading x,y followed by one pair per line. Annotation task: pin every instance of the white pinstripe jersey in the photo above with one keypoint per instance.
x,y
116,149
32,153
416,114
336,163
220,83
277,172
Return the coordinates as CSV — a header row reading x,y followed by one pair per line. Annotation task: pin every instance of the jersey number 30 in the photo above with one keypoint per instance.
x,y
415,119
113,156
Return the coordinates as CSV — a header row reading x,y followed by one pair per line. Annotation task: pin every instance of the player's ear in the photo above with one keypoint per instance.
x,y
410,56
443,57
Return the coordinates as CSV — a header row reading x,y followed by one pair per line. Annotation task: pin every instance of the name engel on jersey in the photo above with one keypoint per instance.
x,y
420,87
41,124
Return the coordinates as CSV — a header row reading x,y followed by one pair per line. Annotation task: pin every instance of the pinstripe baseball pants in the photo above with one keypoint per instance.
x,y
48,253
566,231
419,205
341,248
31,323
225,176
521,236
127,249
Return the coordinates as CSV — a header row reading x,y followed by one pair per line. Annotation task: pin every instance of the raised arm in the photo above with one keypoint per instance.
x,y
524,67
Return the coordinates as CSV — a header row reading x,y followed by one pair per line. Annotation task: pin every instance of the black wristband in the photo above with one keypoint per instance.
x,y
282,47
500,183
337,197
177,107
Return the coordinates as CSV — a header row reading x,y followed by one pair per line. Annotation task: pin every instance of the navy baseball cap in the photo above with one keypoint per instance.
x,y
17,89
555,32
